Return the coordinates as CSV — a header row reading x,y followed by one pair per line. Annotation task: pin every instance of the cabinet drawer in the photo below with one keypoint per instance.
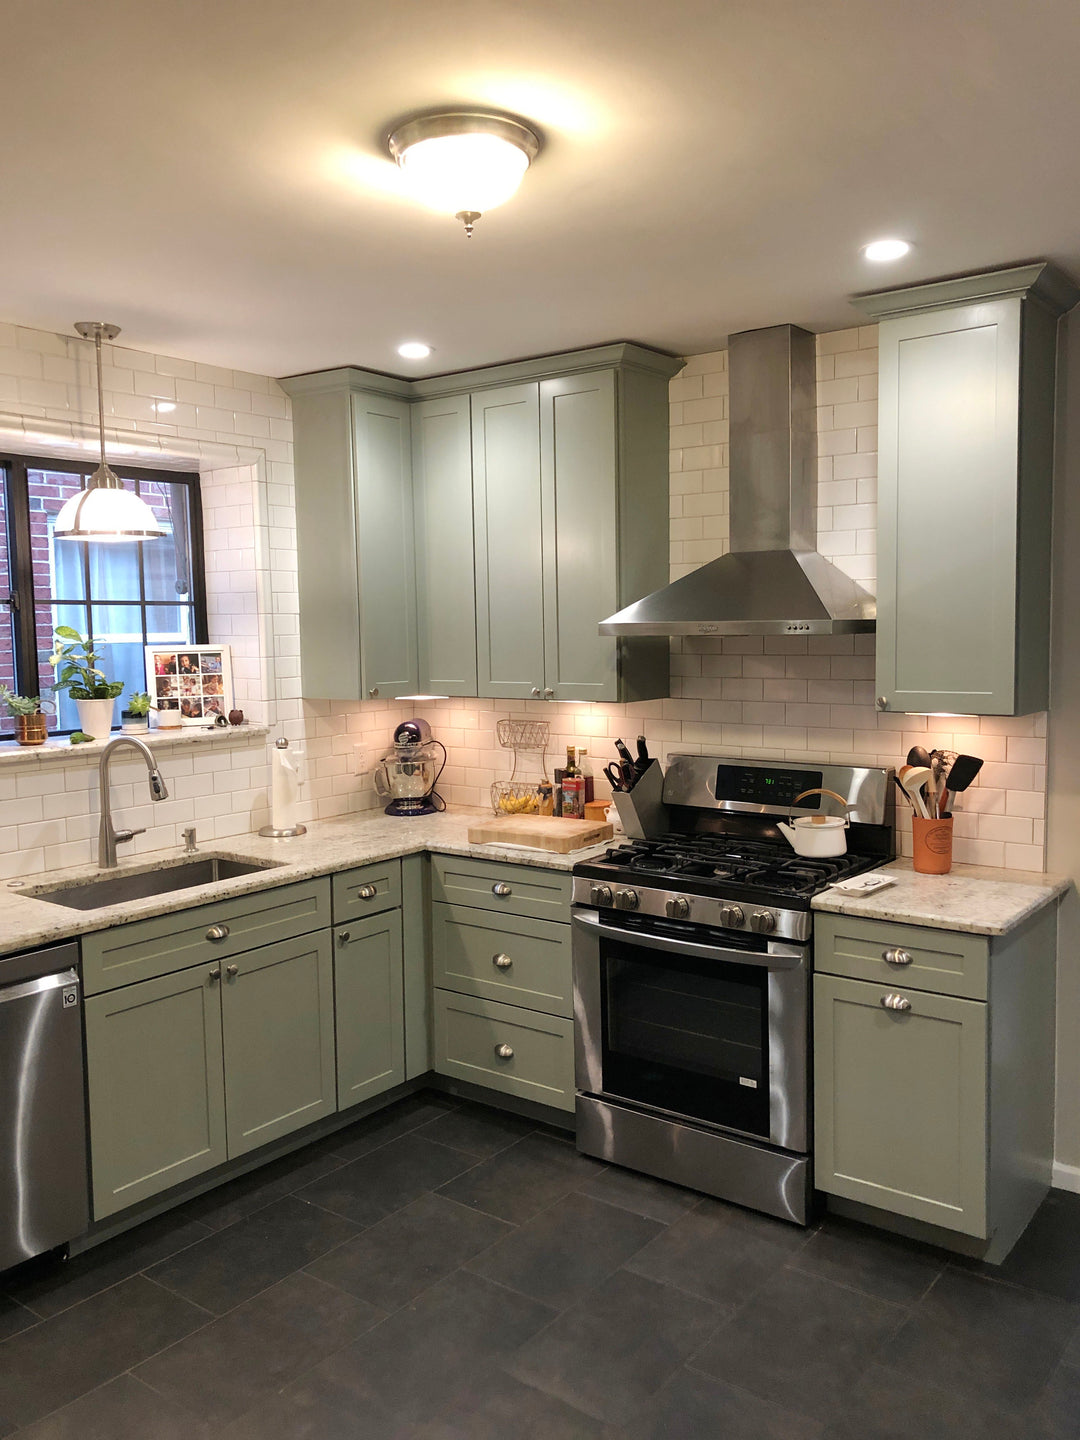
x,y
540,1066
172,942
366,891
522,889
519,961
943,961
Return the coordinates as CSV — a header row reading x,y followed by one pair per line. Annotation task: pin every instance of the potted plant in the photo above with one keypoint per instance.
x,y
74,661
28,716
137,715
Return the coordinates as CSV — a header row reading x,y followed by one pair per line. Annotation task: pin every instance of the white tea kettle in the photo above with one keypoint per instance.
x,y
817,836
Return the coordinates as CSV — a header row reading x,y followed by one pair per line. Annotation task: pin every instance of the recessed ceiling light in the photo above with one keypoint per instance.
x,y
164,406
414,350
880,250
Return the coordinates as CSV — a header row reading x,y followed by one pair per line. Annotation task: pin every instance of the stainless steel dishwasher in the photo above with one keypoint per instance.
x,y
44,1199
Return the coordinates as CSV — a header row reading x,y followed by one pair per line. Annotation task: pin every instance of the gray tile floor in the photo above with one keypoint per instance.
x,y
448,1272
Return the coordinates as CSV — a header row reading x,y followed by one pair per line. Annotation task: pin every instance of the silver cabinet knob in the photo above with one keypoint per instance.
x,y
344,936
732,915
897,957
232,969
536,689
502,961
504,1051
501,889
678,908
218,932
548,694
895,1002
373,691
882,702
367,892
763,922
215,974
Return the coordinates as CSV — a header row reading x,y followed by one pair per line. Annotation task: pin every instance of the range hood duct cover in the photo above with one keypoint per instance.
x,y
773,581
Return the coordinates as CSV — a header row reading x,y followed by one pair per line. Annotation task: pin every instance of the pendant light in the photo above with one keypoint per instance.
x,y
464,162
104,510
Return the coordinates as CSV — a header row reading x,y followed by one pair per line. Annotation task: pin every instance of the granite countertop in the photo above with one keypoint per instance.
x,y
972,898
328,846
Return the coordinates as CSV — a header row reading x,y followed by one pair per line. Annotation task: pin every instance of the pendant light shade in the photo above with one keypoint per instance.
x,y
464,162
104,510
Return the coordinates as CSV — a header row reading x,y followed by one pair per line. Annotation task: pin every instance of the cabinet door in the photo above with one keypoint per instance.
x,y
156,1084
947,509
580,506
384,517
277,1008
445,589
901,1102
370,1007
509,555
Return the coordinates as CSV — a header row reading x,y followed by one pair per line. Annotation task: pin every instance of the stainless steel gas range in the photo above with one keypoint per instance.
x,y
692,959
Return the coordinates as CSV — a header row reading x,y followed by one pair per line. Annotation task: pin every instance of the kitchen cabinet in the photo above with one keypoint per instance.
x,y
532,502
933,1075
965,438
370,1007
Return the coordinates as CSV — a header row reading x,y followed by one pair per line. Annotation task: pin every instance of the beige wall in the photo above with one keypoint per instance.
x,y
1063,820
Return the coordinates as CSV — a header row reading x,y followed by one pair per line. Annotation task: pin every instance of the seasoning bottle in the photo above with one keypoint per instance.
x,y
586,774
547,797
572,788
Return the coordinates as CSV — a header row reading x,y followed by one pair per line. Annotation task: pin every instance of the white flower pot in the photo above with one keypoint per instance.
x,y
96,717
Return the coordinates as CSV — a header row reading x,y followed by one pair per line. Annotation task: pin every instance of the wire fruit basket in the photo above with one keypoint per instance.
x,y
518,796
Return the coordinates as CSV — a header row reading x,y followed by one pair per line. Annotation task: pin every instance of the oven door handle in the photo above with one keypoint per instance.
x,y
778,956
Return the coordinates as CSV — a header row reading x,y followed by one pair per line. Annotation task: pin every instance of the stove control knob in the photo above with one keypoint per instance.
x,y
600,896
678,908
763,921
626,899
732,916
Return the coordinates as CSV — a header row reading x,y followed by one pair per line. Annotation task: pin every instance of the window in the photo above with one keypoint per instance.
x,y
124,596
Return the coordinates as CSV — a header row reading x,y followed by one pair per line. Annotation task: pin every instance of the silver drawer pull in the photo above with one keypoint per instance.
x,y
501,961
897,957
504,1051
218,932
501,889
232,969
215,974
367,892
344,936
895,1002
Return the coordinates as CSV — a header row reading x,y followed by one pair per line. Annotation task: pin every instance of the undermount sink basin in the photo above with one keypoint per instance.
x,y
114,887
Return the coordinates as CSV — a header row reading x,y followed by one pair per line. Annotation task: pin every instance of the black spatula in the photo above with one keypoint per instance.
x,y
963,772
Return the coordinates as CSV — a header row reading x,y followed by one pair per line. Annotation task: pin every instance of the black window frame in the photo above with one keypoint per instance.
x,y
16,468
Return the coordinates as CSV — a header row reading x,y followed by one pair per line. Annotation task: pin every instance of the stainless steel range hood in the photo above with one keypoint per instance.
x,y
773,581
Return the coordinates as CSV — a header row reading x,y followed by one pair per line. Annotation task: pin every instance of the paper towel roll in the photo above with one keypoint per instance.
x,y
285,781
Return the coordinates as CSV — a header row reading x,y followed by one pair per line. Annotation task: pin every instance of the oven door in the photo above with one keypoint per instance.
x,y
700,1031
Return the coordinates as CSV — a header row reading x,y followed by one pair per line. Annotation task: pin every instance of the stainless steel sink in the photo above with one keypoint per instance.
x,y
116,887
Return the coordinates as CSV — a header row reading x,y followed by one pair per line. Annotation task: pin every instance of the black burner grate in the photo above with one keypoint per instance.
x,y
730,860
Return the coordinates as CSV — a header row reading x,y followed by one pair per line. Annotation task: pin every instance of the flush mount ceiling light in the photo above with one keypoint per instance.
x,y
414,350
464,162
882,250
105,510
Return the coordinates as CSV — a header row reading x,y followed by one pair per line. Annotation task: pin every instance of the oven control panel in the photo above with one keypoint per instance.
x,y
778,923
758,785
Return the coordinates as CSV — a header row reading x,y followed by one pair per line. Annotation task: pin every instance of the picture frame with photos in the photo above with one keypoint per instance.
x,y
193,680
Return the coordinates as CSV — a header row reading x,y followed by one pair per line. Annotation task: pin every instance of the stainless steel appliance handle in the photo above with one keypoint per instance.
x,y
56,981
778,956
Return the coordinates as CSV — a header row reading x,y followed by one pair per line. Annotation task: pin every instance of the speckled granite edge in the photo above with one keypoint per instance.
x,y
62,752
328,846
974,899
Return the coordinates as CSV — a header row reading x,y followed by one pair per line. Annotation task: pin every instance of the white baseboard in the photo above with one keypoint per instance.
x,y
1066,1177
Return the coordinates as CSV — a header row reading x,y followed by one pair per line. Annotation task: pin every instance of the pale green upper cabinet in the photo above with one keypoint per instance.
x,y
966,407
442,501
526,503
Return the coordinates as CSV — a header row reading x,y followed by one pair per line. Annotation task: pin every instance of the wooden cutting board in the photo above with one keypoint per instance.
x,y
540,832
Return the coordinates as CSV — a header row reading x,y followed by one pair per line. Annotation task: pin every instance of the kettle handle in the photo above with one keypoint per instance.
x,y
821,791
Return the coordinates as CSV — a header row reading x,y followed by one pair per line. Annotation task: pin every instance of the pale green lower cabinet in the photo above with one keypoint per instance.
x,y
277,1020
157,1086
901,1102
370,1005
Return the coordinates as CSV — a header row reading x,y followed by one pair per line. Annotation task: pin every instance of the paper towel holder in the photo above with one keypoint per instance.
x,y
274,832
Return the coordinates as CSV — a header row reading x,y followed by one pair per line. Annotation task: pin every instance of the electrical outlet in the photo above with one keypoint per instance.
x,y
361,760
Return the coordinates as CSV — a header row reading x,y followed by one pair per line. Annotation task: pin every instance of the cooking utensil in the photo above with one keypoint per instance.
x,y
613,772
817,835
913,778
900,786
963,772
917,756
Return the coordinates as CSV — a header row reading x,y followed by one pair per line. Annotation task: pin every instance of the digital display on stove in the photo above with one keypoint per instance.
x,y
754,786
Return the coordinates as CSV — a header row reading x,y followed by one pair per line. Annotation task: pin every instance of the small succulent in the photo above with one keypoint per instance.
x,y
19,704
138,703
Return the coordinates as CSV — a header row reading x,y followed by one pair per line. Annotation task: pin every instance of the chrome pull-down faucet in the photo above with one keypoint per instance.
x,y
108,836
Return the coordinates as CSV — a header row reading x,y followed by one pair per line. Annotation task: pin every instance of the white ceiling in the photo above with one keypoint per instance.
x,y
208,174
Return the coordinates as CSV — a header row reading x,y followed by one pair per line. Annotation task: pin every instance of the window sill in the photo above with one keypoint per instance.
x,y
59,751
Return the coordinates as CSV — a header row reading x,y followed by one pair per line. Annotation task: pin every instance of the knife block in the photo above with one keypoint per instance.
x,y
642,810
